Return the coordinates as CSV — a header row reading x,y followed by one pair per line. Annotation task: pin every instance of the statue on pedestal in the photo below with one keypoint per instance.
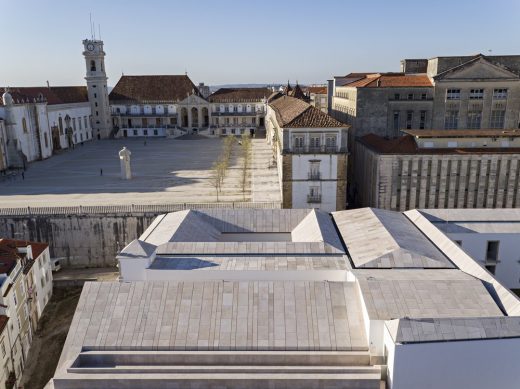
x,y
124,156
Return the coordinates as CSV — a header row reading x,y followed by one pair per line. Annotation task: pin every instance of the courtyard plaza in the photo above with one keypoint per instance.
x,y
164,171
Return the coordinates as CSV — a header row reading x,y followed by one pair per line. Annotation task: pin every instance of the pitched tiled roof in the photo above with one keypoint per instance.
x,y
9,254
295,113
169,88
52,95
319,90
391,80
228,95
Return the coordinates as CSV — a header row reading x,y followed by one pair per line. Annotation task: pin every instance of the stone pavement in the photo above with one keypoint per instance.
x,y
163,170
265,180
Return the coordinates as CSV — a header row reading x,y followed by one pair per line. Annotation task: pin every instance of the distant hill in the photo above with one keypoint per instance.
x,y
214,88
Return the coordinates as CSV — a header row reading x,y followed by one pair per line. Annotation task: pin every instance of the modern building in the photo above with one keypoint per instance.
x,y
293,298
463,92
490,236
439,169
25,287
157,106
310,149
237,111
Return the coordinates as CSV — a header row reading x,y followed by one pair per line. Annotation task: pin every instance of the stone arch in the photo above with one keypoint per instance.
x,y
184,117
194,117
205,117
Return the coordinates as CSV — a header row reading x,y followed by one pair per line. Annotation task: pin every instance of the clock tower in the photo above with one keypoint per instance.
x,y
97,88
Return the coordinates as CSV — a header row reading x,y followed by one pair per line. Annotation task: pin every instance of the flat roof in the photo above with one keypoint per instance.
x,y
481,133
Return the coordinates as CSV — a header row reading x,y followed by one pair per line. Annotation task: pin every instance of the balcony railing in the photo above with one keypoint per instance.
x,y
143,114
316,149
314,175
312,198
243,113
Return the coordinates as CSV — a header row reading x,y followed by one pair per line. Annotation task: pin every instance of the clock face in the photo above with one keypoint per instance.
x,y
90,47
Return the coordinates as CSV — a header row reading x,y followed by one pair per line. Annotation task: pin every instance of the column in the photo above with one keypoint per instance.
x,y
189,117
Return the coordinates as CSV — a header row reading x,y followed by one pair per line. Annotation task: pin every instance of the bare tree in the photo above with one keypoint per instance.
x,y
246,162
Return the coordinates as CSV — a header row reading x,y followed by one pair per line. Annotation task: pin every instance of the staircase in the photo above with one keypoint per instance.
x,y
220,369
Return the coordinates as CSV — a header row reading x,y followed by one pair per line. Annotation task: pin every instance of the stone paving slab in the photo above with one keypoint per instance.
x,y
164,171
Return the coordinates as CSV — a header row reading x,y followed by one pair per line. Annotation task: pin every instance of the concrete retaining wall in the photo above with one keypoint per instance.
x,y
91,236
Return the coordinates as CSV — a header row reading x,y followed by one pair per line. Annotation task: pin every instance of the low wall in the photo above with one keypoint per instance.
x,y
92,236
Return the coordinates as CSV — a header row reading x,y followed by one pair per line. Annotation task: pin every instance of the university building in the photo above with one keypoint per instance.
x,y
310,148
439,169
464,92
256,298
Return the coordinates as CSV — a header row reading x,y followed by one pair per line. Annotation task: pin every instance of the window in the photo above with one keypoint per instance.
x,y
453,94
314,195
85,122
97,113
81,137
422,120
497,119
24,125
95,95
474,119
499,94
95,104
409,119
135,132
92,66
452,144
492,251
397,96
145,132
410,96
330,142
60,123
232,130
224,131
451,120
298,142
423,96
155,132
74,123
476,94
46,139
2,346
314,170
396,121
315,142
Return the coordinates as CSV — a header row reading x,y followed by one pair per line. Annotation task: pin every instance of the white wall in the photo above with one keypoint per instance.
x,y
327,182
78,111
42,274
475,364
508,267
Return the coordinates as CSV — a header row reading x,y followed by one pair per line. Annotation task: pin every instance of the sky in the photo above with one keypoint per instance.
x,y
251,41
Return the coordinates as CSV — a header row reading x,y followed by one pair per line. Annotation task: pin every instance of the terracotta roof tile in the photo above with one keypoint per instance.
x,y
407,145
224,95
295,113
9,254
391,80
143,89
319,90
52,95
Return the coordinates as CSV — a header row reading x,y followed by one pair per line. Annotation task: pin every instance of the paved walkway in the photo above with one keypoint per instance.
x,y
164,171
265,182
98,274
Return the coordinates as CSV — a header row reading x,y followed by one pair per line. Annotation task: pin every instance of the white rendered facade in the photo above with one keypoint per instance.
x,y
311,160
97,87
70,124
490,236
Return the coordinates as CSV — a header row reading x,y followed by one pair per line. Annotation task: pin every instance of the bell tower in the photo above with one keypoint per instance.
x,y
97,87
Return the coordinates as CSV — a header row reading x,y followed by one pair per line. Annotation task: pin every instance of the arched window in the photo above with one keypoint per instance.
x,y
92,66
24,125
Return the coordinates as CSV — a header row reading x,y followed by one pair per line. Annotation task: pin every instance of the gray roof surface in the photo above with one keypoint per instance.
x,y
317,226
452,329
418,293
377,238
250,263
216,315
507,300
